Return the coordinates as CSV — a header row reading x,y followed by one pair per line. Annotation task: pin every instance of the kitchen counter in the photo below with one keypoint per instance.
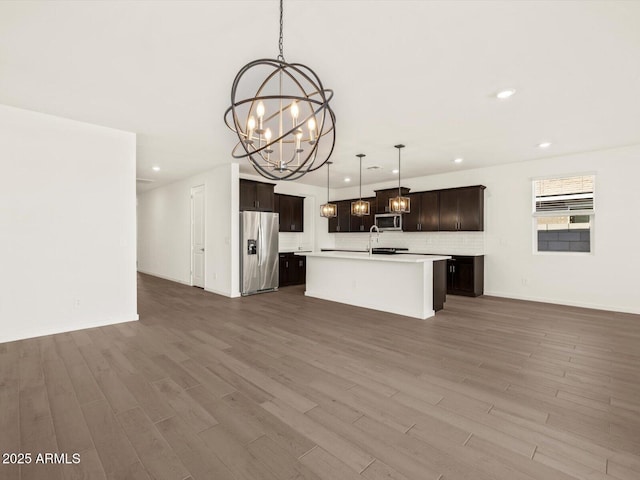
x,y
403,257
418,252
400,284
408,252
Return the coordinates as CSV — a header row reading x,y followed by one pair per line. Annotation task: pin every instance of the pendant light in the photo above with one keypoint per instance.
x,y
328,210
400,204
286,129
360,208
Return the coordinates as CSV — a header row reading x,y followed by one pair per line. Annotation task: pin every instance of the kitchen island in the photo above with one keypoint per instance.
x,y
401,284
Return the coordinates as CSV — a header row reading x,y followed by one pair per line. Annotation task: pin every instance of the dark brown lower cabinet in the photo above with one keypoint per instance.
x,y
465,275
439,284
293,269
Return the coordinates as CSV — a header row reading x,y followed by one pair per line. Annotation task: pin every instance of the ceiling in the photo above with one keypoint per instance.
x,y
423,73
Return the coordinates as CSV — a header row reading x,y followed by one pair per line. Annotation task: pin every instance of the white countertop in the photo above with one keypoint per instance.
x,y
418,252
398,258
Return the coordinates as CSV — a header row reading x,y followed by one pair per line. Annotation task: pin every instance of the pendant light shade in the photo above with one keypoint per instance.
x,y
399,204
328,210
360,208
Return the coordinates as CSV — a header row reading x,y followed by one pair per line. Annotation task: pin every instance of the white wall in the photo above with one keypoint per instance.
x,y
315,228
605,279
67,225
164,230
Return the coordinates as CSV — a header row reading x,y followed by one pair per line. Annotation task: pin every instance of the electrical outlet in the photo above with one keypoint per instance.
x,y
525,281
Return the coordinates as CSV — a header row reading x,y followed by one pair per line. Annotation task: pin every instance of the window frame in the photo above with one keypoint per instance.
x,y
535,215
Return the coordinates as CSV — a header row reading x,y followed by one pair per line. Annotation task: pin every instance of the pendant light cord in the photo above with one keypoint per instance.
x,y
280,43
360,155
399,173
399,147
360,178
328,166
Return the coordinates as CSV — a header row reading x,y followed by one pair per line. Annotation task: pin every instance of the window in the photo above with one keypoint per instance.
x,y
563,213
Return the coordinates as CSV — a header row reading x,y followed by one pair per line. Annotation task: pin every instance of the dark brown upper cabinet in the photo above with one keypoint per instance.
x,y
363,224
383,197
342,222
462,209
425,213
450,210
291,210
257,196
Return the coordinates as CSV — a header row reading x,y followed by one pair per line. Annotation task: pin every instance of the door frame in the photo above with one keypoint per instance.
x,y
204,230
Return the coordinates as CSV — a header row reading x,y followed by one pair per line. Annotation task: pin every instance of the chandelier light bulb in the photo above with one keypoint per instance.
x,y
251,126
298,139
311,124
267,135
295,111
260,113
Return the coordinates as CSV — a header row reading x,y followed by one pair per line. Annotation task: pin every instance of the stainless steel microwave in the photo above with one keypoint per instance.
x,y
389,221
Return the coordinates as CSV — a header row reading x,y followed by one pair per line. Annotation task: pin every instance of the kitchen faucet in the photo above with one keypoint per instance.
x,y
370,246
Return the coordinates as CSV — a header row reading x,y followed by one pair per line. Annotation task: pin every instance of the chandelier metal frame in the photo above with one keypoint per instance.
x,y
256,141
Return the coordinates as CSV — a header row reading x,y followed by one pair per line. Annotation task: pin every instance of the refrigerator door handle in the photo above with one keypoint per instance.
x,y
260,242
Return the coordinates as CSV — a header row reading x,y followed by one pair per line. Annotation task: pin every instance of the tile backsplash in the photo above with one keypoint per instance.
x,y
293,242
453,243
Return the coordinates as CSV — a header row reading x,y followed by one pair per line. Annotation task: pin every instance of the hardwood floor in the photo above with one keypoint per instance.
x,y
280,386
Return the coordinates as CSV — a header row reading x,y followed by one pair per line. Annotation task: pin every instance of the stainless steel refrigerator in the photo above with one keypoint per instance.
x,y
258,252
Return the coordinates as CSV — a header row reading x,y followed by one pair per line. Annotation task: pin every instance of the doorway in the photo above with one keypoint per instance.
x,y
197,236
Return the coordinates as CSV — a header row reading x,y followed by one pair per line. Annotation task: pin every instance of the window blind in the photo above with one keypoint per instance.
x,y
564,196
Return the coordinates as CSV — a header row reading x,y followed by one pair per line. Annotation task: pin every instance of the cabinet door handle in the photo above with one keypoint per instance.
x,y
300,263
286,264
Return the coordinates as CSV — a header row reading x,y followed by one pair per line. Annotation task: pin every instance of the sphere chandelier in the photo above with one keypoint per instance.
x,y
286,127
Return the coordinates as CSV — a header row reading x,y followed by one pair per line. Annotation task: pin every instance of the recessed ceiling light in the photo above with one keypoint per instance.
x,y
457,160
544,145
347,179
504,94
395,171
155,169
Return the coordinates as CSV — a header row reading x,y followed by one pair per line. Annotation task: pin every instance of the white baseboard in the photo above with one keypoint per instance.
x,y
165,277
593,306
224,293
53,331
